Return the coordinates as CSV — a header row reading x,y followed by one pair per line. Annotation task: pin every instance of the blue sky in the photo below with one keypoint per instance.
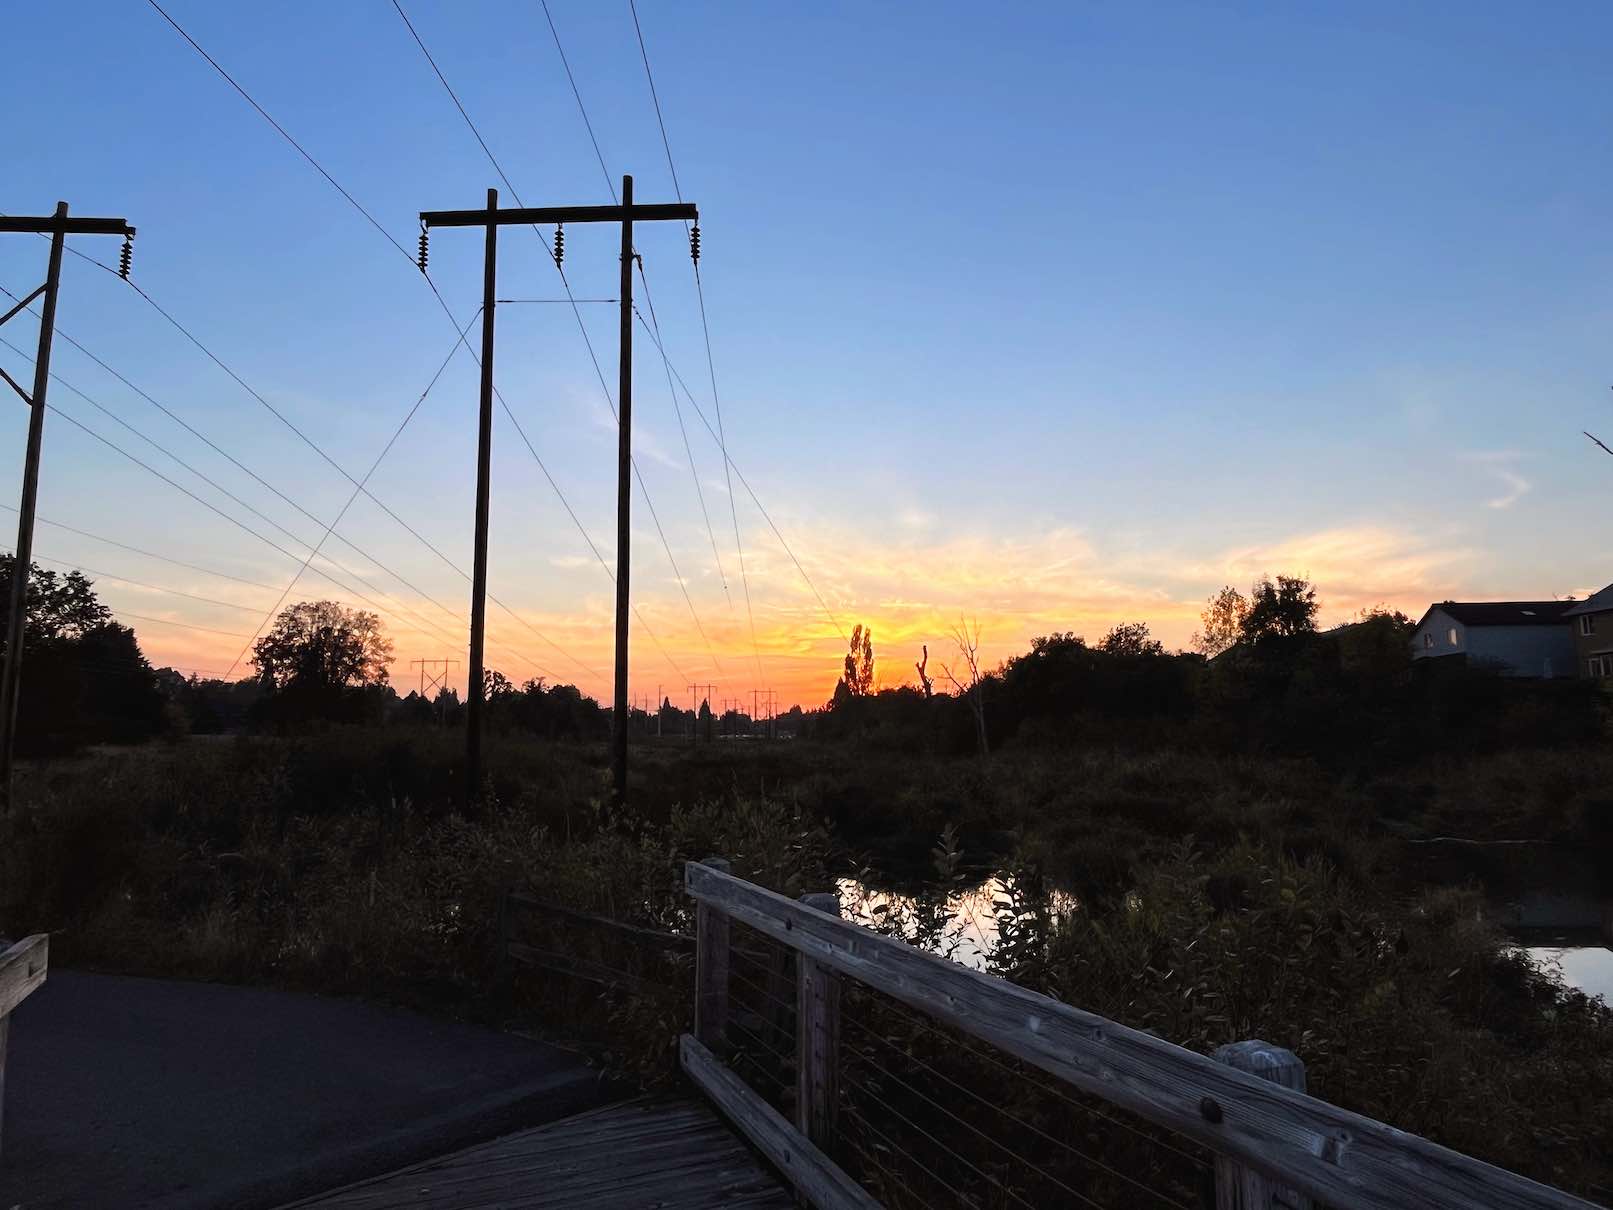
x,y
1053,316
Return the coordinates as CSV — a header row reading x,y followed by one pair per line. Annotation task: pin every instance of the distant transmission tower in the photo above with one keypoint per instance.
x,y
433,680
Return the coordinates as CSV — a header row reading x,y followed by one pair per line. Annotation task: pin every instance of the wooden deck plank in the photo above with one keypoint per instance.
x,y
664,1154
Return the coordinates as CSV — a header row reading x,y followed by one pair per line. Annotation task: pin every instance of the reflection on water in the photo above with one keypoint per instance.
x,y
961,926
1587,967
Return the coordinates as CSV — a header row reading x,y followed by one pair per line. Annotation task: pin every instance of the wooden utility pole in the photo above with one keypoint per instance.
x,y
58,226
627,213
484,470
624,497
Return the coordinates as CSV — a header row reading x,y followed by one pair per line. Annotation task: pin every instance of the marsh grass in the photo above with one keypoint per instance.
x,y
1208,898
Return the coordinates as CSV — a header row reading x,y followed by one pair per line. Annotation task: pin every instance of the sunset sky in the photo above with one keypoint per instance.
x,y
1048,316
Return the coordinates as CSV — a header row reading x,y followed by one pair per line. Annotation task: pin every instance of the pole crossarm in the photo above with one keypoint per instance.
x,y
490,219
67,226
58,226
527,216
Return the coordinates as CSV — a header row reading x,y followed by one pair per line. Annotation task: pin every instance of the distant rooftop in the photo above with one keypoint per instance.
x,y
1507,613
1597,602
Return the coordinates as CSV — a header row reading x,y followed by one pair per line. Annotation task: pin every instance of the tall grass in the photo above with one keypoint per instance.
x,y
1208,898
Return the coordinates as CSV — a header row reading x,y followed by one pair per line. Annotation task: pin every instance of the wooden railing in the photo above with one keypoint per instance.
x,y
22,969
1274,1145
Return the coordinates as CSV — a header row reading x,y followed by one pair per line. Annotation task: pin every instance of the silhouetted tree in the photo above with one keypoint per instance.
x,y
925,683
55,606
1222,622
1281,610
859,675
319,657
496,685
966,636
84,678
1131,638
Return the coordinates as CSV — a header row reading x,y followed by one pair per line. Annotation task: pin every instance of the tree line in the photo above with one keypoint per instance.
x,y
1260,676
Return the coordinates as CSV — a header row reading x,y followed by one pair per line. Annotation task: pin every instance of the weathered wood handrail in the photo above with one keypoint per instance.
x,y
23,968
1298,1141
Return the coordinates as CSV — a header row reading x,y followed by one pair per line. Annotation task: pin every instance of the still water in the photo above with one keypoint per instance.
x,y
968,930
970,915
1587,967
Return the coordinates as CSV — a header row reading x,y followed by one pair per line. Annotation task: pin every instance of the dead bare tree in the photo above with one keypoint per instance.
x,y
966,637
924,680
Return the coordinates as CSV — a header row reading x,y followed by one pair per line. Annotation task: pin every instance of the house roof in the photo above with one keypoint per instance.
x,y
1597,602
1504,613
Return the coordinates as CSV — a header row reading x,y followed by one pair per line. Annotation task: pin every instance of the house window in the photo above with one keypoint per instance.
x,y
1587,623
1451,636
1428,639
1602,665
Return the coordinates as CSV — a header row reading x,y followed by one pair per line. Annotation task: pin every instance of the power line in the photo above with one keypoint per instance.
x,y
654,96
213,508
202,437
280,129
107,575
756,500
665,654
420,619
84,533
683,431
347,571
140,617
437,294
587,340
398,432
313,445
705,328
609,183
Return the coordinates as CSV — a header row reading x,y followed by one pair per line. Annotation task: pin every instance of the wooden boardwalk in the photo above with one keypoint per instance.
x,y
660,1153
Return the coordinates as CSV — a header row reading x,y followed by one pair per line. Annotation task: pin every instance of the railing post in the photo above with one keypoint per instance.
x,y
1238,1187
711,969
817,1039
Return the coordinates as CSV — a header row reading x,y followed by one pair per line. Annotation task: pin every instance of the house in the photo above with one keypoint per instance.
x,y
1592,623
1517,638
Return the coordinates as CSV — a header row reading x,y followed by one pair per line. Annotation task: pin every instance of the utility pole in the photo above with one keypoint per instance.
x,y
697,693
58,226
626,213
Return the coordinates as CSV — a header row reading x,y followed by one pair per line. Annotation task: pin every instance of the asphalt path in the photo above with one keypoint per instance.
x,y
129,1092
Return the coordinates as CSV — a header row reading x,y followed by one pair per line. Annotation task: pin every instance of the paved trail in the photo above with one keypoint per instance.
x,y
156,1093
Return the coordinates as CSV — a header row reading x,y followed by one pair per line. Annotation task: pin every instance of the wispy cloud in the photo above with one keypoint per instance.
x,y
912,591
1500,463
1517,488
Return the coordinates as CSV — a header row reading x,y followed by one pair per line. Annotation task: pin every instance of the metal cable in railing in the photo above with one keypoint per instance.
x,y
873,1163
1084,1157
1019,1071
951,1152
761,1014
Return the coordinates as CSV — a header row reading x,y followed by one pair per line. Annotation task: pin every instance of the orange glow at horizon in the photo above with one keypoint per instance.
x,y
909,594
